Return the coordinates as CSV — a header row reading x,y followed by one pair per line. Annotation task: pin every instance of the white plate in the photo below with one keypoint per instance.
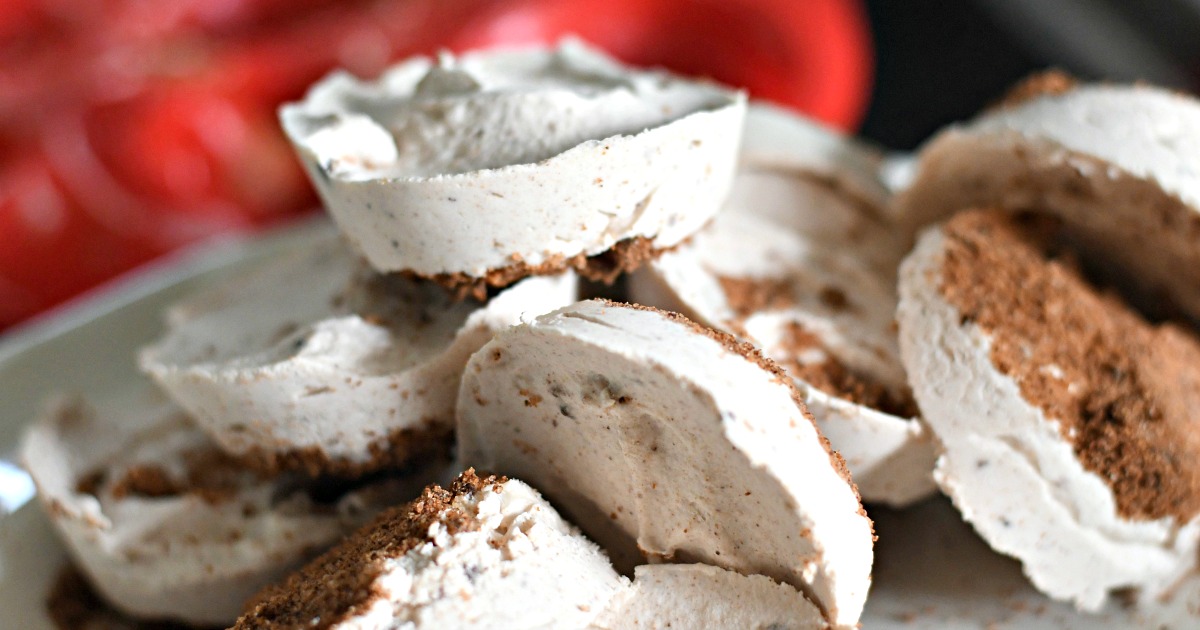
x,y
931,570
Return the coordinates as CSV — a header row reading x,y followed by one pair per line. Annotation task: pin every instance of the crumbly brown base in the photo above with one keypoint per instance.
x,y
747,296
216,476
72,604
1125,391
605,267
833,377
209,473
340,583
397,449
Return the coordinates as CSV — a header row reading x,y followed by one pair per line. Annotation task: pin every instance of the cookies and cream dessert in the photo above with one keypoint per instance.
x,y
1065,419
804,267
316,363
668,441
167,526
482,169
485,552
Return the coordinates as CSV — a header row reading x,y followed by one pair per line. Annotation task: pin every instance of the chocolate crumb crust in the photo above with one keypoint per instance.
x,y
833,377
623,257
397,449
754,355
747,296
216,477
209,473
339,584
387,299
72,604
1123,391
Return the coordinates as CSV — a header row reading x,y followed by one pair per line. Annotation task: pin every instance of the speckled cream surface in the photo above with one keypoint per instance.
x,y
518,565
704,596
177,553
1010,471
1120,162
316,356
828,255
478,163
664,442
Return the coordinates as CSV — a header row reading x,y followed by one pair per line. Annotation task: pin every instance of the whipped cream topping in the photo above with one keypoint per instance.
x,y
805,269
168,527
1008,467
492,554
665,440
472,164
1114,160
704,596
451,115
314,362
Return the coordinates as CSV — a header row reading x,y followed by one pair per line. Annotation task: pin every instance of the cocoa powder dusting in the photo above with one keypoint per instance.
x,y
1123,390
340,583
747,296
395,450
833,377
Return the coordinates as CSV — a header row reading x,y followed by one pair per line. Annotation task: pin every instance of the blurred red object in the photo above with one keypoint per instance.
x,y
129,128
814,56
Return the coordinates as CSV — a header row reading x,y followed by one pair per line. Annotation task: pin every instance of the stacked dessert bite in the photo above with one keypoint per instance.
x,y
478,171
322,364
1049,332
690,460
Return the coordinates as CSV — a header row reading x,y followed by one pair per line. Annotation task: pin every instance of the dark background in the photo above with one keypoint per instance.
x,y
941,61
